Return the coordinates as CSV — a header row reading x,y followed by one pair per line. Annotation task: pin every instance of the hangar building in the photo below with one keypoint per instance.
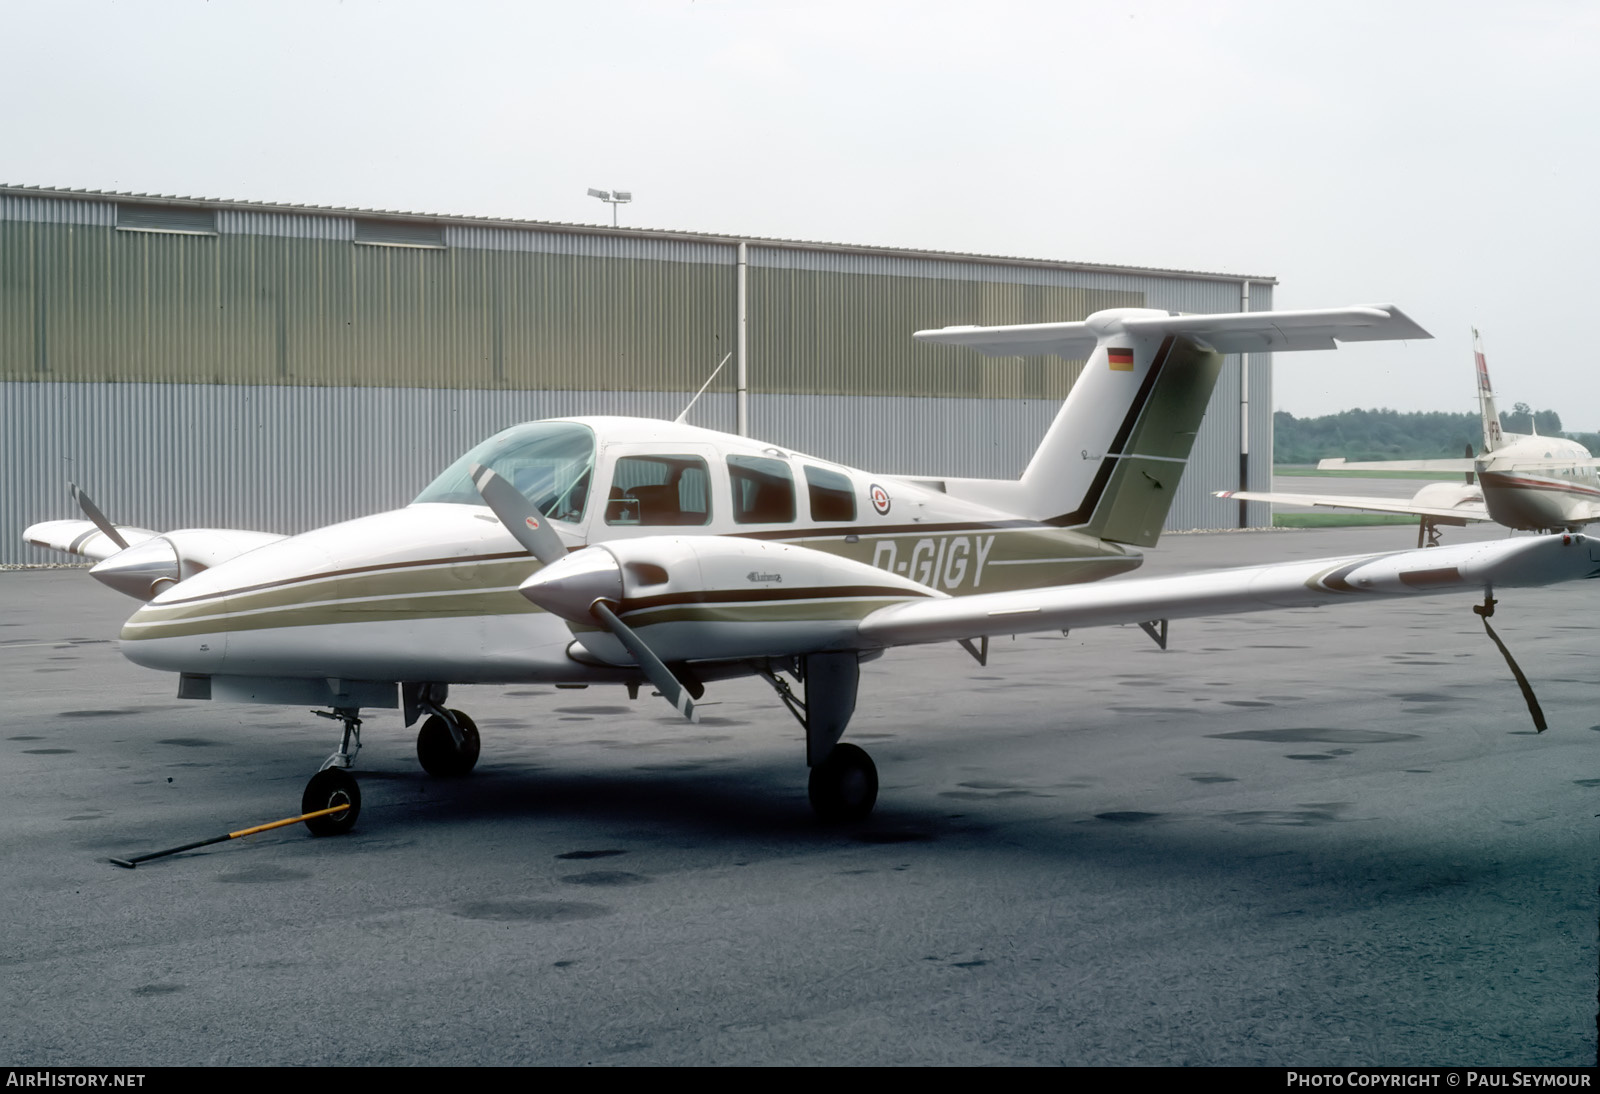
x,y
196,362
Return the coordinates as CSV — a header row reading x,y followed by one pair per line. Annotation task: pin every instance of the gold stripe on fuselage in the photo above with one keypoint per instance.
x,y
958,562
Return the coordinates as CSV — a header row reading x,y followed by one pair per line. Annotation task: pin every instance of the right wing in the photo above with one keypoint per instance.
x,y
152,561
1468,511
1465,567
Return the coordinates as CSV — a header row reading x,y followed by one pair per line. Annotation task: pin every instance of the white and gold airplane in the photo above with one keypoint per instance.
x,y
1522,481
633,552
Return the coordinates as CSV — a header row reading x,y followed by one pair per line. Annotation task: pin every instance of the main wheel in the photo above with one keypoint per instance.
x,y
326,790
437,751
844,787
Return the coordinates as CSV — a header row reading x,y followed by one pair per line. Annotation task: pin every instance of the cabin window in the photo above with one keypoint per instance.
x,y
763,490
833,497
659,490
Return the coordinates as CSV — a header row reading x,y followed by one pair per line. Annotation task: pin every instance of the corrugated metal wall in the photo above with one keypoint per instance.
x,y
286,459
279,374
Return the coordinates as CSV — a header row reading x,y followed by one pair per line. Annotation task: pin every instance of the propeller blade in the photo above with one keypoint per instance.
x,y
526,524
661,676
92,511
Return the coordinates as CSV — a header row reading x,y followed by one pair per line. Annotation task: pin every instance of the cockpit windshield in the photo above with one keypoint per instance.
x,y
550,462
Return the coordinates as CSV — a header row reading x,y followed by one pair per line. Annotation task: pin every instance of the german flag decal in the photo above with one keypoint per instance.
x,y
1121,359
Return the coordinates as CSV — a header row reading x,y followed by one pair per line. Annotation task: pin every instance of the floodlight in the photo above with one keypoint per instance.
x,y
612,198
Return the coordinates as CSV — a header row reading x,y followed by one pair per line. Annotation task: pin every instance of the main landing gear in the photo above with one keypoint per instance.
x,y
448,744
844,781
844,787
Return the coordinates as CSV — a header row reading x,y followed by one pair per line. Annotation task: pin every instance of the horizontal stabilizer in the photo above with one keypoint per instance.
x,y
1462,568
1230,332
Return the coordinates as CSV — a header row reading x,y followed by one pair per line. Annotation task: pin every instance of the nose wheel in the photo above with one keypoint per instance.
x,y
327,789
448,744
844,787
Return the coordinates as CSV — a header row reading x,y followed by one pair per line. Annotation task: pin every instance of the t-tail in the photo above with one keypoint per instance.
x,y
1493,438
1110,463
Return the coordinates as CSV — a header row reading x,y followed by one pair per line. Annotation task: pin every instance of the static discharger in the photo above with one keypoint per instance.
x,y
130,863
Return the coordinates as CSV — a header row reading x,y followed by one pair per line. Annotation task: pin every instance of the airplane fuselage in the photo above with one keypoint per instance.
x,y
430,592
1528,484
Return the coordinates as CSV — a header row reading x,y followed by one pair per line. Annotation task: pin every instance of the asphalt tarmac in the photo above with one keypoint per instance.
x,y
1301,838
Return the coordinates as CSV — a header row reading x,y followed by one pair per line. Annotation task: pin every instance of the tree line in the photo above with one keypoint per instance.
x,y
1391,435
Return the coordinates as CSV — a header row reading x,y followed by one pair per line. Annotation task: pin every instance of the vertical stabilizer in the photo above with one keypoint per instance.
x,y
1110,462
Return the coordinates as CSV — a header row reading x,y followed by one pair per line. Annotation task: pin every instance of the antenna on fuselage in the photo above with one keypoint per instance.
x,y
679,419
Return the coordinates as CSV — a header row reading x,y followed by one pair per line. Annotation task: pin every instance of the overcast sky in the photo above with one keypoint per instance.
x,y
1440,156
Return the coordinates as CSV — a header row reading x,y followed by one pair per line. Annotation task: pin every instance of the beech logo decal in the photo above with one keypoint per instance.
x,y
880,498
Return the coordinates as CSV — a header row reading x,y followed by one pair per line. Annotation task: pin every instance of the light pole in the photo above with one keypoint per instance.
x,y
612,198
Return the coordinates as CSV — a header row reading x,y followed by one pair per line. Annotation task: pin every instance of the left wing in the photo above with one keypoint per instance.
x,y
1467,567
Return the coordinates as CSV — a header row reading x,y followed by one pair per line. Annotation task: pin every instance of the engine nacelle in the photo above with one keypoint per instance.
x,y
147,569
1449,495
696,598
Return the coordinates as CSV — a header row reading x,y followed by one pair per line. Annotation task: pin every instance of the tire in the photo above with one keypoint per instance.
x,y
844,787
437,751
326,790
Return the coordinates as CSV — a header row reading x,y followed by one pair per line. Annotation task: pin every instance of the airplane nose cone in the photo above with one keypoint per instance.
x,y
569,586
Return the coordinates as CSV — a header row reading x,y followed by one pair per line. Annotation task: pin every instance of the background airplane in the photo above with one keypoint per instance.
x,y
625,551
1522,481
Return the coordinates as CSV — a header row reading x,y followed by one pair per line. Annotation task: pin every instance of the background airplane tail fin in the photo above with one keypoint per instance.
x,y
1493,438
1112,458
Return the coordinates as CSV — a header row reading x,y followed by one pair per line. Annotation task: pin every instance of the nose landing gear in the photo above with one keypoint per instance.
x,y
334,785
330,787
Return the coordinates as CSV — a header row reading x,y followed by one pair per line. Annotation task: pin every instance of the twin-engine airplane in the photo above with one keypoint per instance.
x,y
627,551
1523,481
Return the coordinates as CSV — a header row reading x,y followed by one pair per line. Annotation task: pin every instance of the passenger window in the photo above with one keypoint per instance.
x,y
832,495
659,490
763,490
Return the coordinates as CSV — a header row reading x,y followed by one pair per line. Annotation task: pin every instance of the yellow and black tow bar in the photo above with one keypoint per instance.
x,y
130,863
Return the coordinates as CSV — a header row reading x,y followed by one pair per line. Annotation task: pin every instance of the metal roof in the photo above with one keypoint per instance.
x,y
599,229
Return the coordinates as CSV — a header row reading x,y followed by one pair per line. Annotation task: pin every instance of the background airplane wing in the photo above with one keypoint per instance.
x,y
1470,511
1468,567
1459,465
